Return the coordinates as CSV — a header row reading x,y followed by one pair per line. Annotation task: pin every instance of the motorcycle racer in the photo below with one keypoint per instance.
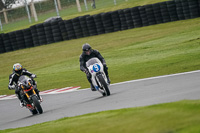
x,y
18,70
87,54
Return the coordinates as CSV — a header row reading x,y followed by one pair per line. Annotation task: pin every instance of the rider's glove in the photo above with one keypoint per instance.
x,y
86,71
12,87
33,76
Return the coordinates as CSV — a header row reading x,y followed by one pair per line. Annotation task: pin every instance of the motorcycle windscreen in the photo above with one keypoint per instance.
x,y
24,80
92,61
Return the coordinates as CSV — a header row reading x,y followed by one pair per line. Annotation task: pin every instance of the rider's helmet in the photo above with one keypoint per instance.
x,y
17,68
86,48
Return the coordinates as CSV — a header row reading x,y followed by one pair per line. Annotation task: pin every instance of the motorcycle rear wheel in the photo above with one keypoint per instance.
x,y
105,86
37,104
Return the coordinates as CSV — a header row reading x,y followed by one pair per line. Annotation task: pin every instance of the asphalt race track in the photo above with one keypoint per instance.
x,y
134,93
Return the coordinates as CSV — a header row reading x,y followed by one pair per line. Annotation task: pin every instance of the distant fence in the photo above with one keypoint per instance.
x,y
16,14
48,6
59,30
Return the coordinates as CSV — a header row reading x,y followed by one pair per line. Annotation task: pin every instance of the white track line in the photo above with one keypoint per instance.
x,y
47,92
69,89
137,80
164,76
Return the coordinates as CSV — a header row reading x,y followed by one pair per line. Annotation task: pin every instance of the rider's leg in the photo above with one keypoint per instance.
x,y
36,90
18,95
17,92
106,72
89,80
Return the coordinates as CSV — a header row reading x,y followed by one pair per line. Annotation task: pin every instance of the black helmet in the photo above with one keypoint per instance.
x,y
86,47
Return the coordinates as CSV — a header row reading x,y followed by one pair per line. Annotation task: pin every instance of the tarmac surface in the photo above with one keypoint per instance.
x,y
135,93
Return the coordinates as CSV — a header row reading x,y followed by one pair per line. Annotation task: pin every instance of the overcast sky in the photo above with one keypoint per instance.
x,y
23,1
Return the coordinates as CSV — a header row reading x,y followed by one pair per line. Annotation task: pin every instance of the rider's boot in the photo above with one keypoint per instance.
x,y
21,104
92,87
17,92
41,99
108,79
106,72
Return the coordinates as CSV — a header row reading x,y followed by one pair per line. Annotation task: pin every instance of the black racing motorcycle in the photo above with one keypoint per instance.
x,y
29,96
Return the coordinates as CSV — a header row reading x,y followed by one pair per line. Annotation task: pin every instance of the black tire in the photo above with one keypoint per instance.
x,y
34,112
37,104
7,43
2,49
13,40
105,86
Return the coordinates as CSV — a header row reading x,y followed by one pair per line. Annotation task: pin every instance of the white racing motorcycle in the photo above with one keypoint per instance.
x,y
98,77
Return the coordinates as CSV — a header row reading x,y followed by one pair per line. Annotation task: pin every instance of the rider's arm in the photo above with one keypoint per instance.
x,y
100,57
26,72
82,62
11,86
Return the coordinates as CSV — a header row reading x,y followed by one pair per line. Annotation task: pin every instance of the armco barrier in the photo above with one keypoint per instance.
x,y
56,30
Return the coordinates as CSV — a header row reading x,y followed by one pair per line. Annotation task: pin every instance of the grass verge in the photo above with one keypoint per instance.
x,y
177,117
132,54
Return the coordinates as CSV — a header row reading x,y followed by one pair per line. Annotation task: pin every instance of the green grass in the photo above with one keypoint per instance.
x,y
177,117
131,54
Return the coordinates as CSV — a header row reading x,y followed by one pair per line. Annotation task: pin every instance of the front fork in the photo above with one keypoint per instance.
x,y
95,81
97,84
27,95
30,105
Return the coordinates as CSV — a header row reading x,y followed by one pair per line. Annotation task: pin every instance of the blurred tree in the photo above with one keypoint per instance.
x,y
7,3
93,4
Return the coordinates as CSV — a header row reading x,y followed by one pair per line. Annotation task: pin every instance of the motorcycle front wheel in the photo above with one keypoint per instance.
x,y
34,112
37,104
104,85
